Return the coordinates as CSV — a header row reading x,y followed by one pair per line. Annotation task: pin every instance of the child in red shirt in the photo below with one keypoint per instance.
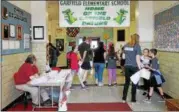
x,y
74,60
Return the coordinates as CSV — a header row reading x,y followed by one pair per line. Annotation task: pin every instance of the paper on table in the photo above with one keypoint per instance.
x,y
5,44
17,44
11,44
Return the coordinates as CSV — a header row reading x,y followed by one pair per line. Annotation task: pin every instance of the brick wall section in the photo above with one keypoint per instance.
x,y
39,50
169,66
10,65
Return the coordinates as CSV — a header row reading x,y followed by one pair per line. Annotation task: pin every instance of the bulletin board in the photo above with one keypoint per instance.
x,y
167,30
15,29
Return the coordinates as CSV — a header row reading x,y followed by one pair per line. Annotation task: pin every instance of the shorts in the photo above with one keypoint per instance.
x,y
153,82
86,66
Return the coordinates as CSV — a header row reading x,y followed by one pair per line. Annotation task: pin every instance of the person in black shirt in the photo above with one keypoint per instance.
x,y
99,63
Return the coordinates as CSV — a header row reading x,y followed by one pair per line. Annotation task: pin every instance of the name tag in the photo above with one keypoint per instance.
x,y
129,49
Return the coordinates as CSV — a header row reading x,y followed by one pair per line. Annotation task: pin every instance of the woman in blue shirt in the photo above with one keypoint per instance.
x,y
132,51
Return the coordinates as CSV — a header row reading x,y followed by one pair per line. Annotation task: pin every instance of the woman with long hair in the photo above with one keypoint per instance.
x,y
132,51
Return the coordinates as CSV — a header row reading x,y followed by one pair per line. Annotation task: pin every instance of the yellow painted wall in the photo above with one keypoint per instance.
x,y
128,30
169,62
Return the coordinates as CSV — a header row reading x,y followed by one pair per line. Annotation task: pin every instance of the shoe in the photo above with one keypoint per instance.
x,y
47,103
123,101
162,100
144,93
109,85
84,88
35,105
115,84
68,92
96,82
147,100
85,83
63,107
72,88
100,84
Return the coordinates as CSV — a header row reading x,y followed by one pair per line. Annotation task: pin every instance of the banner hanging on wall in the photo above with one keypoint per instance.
x,y
90,13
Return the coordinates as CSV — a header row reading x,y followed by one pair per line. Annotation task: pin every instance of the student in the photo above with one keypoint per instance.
x,y
25,74
111,59
73,57
153,83
83,49
132,52
99,63
145,60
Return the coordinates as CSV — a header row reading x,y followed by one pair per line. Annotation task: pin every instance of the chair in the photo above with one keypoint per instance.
x,y
24,95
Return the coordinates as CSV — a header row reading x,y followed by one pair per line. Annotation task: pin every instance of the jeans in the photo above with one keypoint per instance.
x,y
99,69
129,71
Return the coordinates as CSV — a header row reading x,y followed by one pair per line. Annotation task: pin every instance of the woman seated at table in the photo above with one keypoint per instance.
x,y
25,74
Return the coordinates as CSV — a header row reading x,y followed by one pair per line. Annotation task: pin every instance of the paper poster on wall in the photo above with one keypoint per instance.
x,y
17,44
26,41
5,44
91,13
11,44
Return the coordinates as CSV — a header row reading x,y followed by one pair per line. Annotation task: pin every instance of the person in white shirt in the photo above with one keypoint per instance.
x,y
145,60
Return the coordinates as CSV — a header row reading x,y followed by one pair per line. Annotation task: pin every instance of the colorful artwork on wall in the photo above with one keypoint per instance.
x,y
166,36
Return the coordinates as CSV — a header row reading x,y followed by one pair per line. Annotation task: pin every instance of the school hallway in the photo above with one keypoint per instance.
x,y
105,94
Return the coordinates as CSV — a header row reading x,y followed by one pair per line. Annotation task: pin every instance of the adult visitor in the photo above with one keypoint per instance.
x,y
54,53
132,51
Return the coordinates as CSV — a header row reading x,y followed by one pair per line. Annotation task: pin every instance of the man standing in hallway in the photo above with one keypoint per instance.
x,y
84,49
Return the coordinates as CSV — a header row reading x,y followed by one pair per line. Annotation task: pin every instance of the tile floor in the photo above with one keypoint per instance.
x,y
114,94
91,80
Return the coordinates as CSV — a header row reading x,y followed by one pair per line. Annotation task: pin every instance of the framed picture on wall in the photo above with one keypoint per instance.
x,y
60,44
12,31
19,32
4,13
38,32
5,31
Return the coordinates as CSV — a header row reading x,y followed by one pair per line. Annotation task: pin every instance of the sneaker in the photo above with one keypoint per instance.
x,y
96,82
144,93
84,88
147,100
63,107
85,83
47,102
100,84
68,92
123,101
110,85
115,84
72,88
